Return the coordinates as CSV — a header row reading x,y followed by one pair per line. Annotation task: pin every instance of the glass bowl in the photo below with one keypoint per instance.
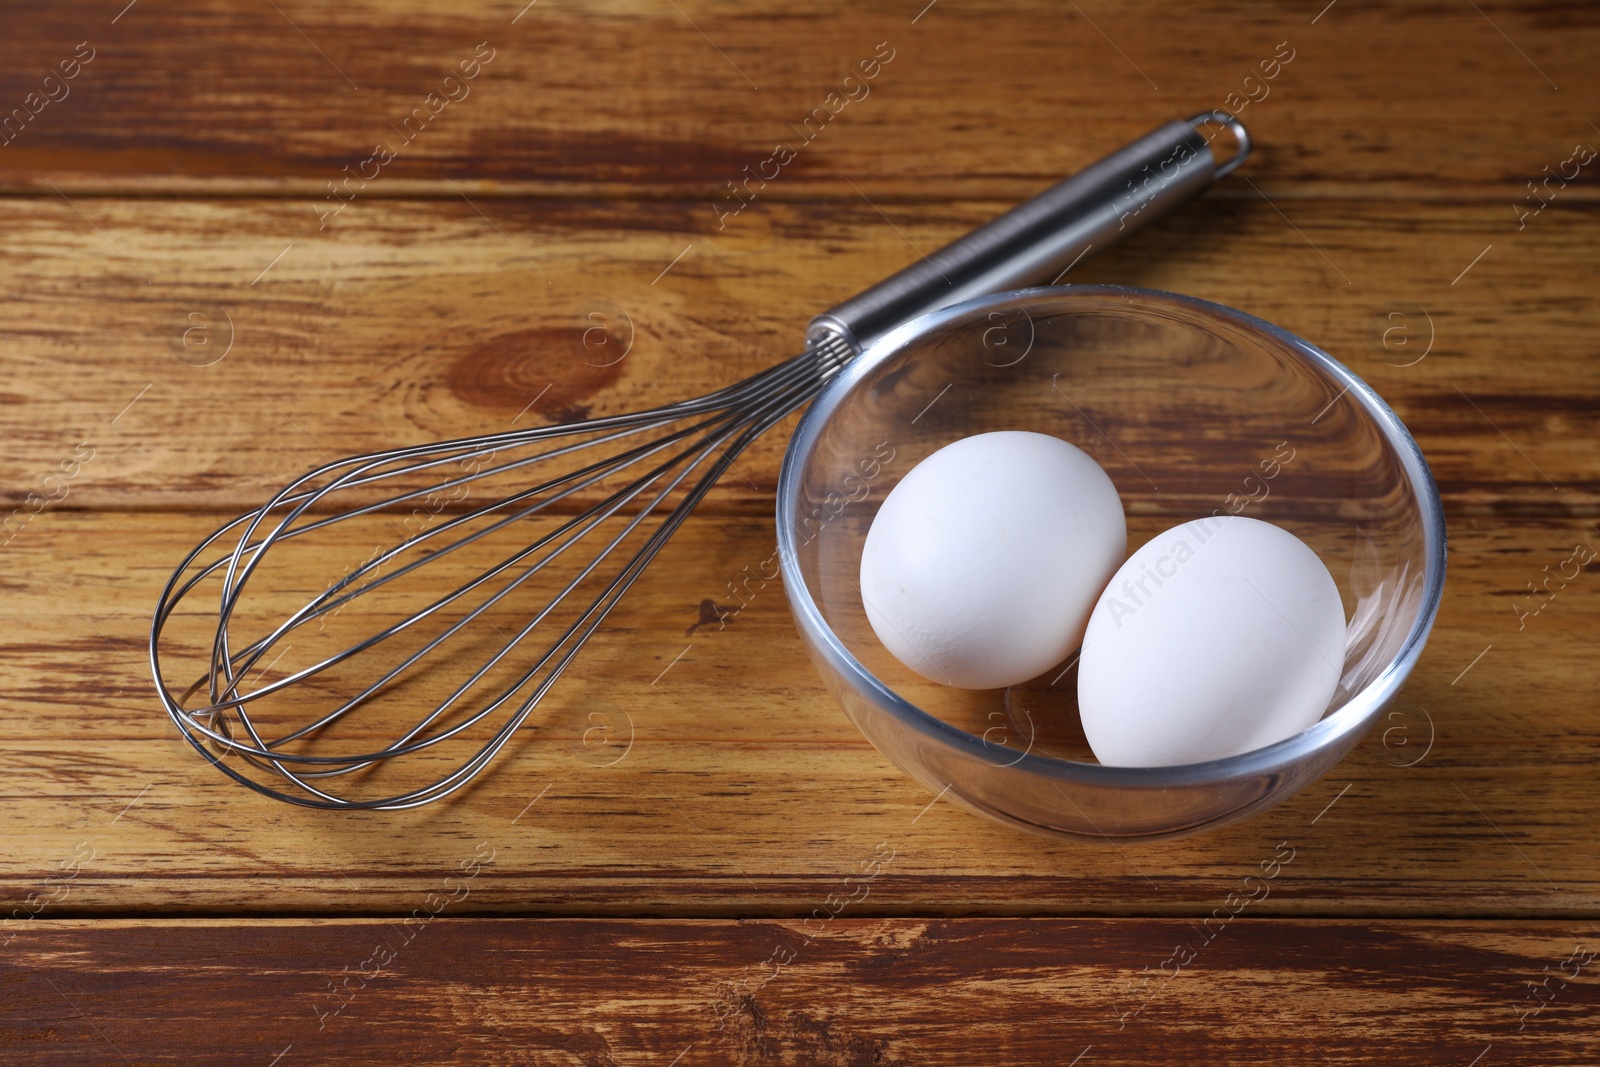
x,y
1192,408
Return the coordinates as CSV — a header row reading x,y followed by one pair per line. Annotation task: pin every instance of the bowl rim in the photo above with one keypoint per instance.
x,y
1347,723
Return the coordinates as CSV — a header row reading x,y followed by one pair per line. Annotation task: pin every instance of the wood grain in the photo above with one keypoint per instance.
x,y
1470,798
187,325
419,321
633,98
843,992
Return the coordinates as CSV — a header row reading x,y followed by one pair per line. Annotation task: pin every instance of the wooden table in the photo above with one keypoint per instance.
x,y
170,201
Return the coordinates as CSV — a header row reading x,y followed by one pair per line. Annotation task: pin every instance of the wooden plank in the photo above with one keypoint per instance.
x,y
416,321
189,324
844,991
634,97
724,781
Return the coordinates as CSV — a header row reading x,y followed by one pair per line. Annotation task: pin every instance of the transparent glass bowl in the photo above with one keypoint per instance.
x,y
1191,408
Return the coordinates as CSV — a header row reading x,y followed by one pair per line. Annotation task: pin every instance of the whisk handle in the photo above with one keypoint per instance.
x,y
1041,238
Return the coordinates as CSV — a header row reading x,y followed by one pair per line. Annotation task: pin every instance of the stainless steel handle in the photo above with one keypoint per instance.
x,y
1039,238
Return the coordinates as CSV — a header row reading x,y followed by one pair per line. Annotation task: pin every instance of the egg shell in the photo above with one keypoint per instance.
x,y
984,562
1215,638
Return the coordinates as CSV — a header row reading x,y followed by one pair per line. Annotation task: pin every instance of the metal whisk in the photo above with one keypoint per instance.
x,y
416,650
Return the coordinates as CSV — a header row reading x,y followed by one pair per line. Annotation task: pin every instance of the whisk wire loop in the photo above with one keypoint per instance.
x,y
686,448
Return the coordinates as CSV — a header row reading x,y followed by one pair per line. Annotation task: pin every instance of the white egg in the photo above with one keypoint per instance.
x,y
983,563
1218,637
